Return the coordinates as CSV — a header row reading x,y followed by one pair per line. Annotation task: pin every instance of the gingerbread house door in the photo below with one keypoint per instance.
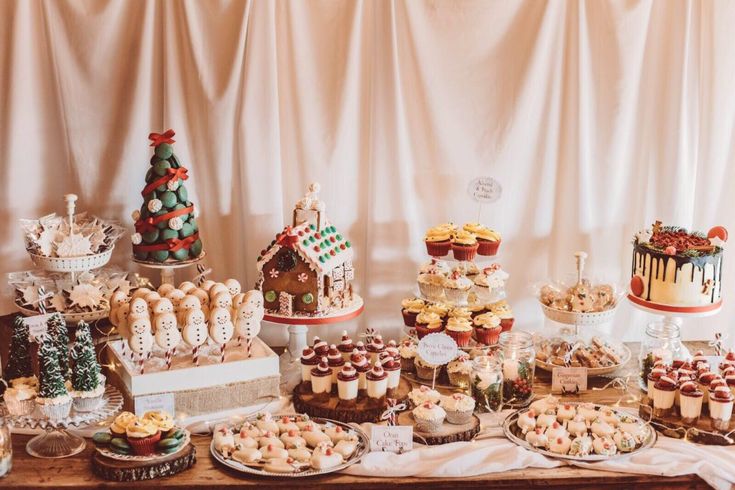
x,y
285,303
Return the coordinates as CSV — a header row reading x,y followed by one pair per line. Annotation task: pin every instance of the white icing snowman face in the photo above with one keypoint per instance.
x,y
238,300
233,285
138,307
202,295
140,293
166,321
220,316
254,299
164,289
217,289
162,306
195,317
207,285
139,326
151,299
117,299
175,296
187,286
223,300
190,302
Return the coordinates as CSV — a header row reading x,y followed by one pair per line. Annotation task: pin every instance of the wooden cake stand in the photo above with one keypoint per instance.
x,y
133,471
297,325
446,434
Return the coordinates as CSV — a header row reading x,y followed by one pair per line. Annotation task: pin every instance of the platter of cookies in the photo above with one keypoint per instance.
x,y
578,431
288,445
600,356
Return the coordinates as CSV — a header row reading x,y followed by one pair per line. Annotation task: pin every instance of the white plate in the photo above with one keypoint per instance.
x,y
577,318
151,457
514,434
620,349
363,446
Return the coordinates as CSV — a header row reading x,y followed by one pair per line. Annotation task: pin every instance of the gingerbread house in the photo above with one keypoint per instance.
x,y
307,269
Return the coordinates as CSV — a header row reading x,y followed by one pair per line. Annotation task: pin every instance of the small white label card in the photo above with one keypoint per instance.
x,y
159,401
437,348
568,380
37,325
391,438
485,189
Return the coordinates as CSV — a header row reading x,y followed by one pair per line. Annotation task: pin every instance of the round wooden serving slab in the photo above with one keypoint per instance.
x,y
448,432
131,471
363,411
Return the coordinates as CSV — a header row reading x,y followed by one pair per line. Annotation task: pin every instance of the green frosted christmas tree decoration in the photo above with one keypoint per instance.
x,y
52,380
166,228
19,359
60,335
86,372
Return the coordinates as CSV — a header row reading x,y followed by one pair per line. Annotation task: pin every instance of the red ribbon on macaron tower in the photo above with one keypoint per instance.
x,y
149,224
172,174
172,244
160,138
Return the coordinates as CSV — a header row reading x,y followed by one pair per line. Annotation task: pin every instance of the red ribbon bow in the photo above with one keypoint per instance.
x,y
145,225
287,239
177,173
158,138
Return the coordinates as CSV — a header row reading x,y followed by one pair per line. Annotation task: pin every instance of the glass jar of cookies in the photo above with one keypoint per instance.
x,y
518,359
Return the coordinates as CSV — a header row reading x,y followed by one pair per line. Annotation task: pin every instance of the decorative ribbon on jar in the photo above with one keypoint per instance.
x,y
392,410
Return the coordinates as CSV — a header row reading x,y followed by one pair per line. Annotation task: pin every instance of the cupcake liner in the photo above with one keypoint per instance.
x,y
87,404
407,364
423,425
459,379
482,293
55,412
487,336
462,338
422,331
464,252
438,249
20,407
409,319
487,248
457,417
507,323
145,445
433,292
427,373
457,296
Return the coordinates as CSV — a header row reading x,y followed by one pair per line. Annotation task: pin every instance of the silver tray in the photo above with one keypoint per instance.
x,y
513,433
363,446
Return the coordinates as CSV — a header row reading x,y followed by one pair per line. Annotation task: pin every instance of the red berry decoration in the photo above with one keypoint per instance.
x,y
719,232
317,235
331,239
636,285
316,248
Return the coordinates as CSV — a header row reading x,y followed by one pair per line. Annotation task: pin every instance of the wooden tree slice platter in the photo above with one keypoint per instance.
x,y
701,433
363,411
448,432
131,471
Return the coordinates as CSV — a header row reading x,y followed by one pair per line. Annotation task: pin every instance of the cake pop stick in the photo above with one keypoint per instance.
x,y
167,334
195,332
221,328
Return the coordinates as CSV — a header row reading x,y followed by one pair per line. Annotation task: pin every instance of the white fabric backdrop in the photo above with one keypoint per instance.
x,y
596,117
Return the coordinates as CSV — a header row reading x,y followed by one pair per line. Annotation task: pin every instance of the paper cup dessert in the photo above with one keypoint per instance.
x,y
20,399
458,407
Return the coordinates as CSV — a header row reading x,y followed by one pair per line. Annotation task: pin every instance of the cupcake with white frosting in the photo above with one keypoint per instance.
x,y
407,351
429,417
20,399
459,408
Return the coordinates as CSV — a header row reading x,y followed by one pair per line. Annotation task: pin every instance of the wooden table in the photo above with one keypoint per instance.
x,y
76,471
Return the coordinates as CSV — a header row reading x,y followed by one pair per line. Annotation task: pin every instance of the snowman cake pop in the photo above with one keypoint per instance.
x,y
121,318
190,302
151,299
138,308
175,296
195,332
163,305
222,300
233,285
187,286
141,339
140,293
203,299
217,289
167,335
249,315
221,328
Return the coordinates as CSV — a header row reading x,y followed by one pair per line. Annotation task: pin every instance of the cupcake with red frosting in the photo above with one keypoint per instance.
x,y
664,392
377,384
690,402
321,380
345,346
375,348
335,361
362,366
720,408
308,360
347,385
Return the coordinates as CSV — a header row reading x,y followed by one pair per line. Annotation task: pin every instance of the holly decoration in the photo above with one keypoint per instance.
x,y
488,399
60,336
52,380
171,232
86,372
520,388
19,361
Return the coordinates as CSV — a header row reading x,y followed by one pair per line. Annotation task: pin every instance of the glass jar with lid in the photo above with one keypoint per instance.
x,y
518,358
661,344
486,382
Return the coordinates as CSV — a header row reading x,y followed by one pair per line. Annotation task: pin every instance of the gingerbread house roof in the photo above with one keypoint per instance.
x,y
322,249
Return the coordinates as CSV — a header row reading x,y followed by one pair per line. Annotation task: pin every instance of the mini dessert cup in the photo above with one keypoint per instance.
x,y
664,392
720,408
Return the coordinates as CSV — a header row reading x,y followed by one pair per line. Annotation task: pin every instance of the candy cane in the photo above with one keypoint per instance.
x,y
223,352
168,359
141,364
195,355
250,344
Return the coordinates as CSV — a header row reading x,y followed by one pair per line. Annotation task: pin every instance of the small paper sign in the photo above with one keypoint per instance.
x,y
159,401
568,380
394,438
485,189
37,325
437,348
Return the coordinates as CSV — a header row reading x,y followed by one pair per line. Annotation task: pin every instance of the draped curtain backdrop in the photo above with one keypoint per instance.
x,y
596,117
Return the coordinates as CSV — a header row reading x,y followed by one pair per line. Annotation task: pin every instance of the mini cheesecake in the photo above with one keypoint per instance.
x,y
321,380
346,346
705,379
347,383
393,368
309,360
335,361
653,376
664,392
377,384
362,366
720,408
690,402
375,348
321,347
